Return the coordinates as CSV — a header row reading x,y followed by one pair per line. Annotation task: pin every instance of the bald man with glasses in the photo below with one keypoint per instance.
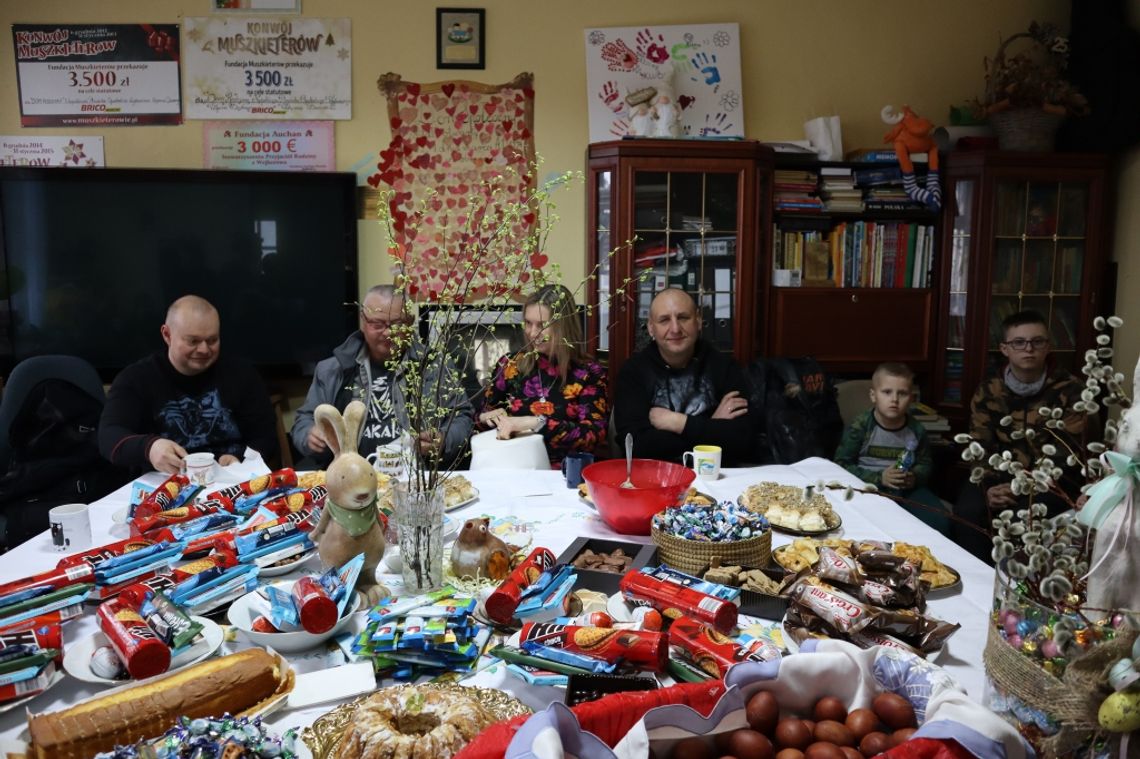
x,y
1022,386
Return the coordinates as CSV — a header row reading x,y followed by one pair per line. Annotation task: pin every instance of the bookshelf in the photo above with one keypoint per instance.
x,y
1022,230
697,213
851,271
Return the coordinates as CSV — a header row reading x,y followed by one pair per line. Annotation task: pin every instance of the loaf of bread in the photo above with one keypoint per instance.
x,y
238,684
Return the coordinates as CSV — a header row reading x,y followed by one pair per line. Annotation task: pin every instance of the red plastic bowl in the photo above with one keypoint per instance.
x,y
657,485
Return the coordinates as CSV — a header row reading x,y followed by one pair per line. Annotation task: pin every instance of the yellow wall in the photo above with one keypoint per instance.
x,y
800,60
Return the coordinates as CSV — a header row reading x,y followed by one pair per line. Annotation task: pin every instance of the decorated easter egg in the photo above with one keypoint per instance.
x,y
1120,712
106,664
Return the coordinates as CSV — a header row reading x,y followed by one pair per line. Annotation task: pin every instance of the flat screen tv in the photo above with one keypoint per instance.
x,y
91,258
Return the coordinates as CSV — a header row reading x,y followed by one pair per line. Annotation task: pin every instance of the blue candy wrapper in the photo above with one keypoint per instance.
x,y
588,663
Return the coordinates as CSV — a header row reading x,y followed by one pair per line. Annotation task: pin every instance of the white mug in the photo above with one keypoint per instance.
x,y
705,461
200,468
70,526
388,460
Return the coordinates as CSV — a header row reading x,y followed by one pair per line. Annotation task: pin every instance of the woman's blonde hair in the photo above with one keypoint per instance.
x,y
565,327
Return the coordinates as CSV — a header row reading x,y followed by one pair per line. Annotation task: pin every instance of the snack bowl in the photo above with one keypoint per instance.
x,y
252,605
656,486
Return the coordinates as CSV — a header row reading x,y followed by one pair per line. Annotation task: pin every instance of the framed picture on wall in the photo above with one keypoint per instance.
x,y
459,38
267,6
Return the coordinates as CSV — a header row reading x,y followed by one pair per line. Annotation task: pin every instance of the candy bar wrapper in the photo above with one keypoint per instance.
x,y
714,589
838,610
282,609
40,637
251,543
46,619
282,479
68,601
501,604
96,556
316,609
287,553
153,561
713,652
30,686
138,647
168,517
589,663
393,607
340,583
237,583
638,648
536,675
675,601
162,497
169,622
184,532
455,608
305,519
291,503
834,567
872,638
44,582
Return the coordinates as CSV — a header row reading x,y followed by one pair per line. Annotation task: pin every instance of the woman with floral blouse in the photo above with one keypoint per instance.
x,y
551,387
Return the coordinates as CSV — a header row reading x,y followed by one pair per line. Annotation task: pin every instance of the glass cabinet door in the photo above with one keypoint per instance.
x,y
955,338
1039,252
603,241
685,228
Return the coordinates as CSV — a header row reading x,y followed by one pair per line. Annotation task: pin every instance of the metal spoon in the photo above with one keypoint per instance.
x,y
628,484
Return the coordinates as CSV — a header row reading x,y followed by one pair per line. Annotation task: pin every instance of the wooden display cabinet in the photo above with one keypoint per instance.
x,y
694,214
1021,231
861,316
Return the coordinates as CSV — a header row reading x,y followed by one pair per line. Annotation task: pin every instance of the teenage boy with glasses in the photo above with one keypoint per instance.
x,y
1020,389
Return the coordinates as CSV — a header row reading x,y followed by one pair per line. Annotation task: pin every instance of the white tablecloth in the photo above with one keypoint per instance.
x,y
558,516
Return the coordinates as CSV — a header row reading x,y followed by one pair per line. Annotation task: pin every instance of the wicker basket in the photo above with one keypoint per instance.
x,y
693,555
1027,129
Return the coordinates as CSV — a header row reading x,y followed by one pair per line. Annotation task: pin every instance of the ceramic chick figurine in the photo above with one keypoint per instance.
x,y
480,553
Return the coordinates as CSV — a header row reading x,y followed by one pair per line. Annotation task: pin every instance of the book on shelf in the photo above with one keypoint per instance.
x,y
882,155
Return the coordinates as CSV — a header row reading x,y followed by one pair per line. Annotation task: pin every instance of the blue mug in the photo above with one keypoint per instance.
x,y
573,465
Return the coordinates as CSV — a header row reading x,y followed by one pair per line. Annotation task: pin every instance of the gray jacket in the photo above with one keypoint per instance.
x,y
335,378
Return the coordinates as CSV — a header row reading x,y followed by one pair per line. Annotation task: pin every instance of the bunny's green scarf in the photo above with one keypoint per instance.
x,y
355,522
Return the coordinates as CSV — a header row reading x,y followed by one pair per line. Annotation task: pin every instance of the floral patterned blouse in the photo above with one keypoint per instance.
x,y
577,415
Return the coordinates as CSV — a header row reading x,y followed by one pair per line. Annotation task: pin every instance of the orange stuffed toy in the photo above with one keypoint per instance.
x,y
911,133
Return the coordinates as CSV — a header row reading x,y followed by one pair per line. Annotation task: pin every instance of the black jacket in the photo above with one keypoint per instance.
x,y
645,381
221,410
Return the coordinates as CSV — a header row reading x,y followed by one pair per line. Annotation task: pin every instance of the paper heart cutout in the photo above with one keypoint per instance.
x,y
374,180
447,89
413,88
395,122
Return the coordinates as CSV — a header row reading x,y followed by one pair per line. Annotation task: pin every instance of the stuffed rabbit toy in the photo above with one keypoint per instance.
x,y
1113,509
349,524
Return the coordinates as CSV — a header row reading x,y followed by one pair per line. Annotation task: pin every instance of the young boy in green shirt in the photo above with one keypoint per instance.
x,y
887,448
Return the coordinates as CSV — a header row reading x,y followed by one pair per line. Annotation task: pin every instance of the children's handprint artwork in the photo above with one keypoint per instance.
x,y
701,63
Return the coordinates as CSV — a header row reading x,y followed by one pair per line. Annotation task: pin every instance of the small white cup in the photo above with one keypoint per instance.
x,y
704,460
200,468
70,526
388,460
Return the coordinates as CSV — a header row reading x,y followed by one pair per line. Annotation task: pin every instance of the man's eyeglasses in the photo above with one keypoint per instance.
x,y
1020,343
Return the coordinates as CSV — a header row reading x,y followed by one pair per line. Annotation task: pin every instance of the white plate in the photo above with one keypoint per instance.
x,y
77,658
461,504
249,607
288,567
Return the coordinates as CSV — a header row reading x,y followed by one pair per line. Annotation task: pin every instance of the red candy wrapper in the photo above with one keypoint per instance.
x,y
715,653
161,498
642,649
57,578
143,525
291,503
93,556
136,645
316,611
676,601
502,603
278,480
47,634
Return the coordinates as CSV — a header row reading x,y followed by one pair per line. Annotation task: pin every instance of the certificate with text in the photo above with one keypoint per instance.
x,y
269,146
97,74
268,68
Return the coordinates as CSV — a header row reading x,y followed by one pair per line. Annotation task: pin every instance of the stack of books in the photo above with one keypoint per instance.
x,y
934,423
838,190
795,190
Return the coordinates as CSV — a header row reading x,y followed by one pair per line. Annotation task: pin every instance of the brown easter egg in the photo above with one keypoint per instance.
x,y
823,750
692,748
860,722
829,707
763,712
793,733
895,711
874,743
749,744
834,732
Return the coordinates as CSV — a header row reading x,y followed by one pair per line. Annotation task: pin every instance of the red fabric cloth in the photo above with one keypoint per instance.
x,y
928,748
609,718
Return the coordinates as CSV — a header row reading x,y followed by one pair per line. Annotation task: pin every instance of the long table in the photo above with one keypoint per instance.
x,y
556,517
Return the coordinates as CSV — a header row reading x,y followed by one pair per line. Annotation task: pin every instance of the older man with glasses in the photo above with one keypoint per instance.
x,y
370,366
1023,385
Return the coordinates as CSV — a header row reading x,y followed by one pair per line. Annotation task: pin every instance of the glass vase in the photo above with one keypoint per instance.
x,y
419,523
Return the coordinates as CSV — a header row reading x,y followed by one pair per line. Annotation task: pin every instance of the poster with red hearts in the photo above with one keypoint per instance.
x,y
460,174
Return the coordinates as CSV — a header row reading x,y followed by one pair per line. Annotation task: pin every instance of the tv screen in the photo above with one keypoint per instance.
x,y
92,258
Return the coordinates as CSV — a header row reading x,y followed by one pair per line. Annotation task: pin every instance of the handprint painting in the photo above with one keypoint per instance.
x,y
698,65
